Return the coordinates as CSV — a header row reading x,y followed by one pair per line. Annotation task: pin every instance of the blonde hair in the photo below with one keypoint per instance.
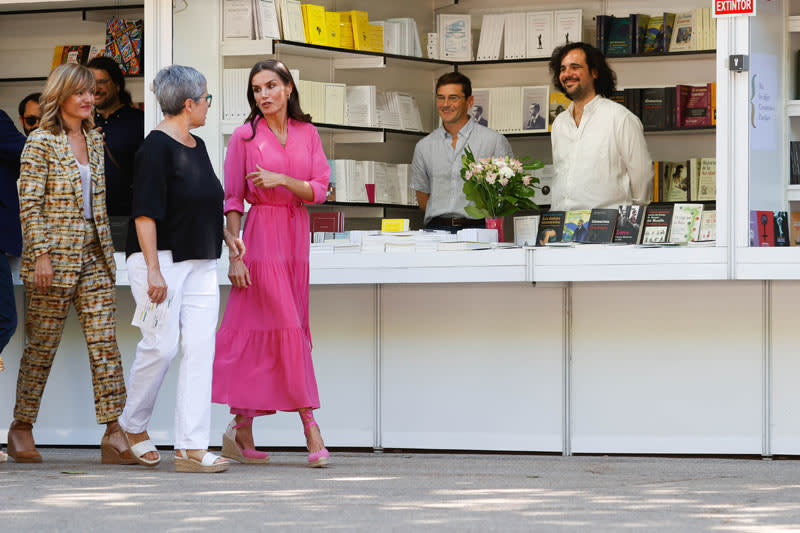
x,y
63,82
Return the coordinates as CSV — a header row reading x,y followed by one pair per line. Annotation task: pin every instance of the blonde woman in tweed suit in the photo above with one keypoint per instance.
x,y
67,257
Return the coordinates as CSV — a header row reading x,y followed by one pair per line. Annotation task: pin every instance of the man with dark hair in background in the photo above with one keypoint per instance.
x,y
29,113
436,167
11,144
600,156
122,126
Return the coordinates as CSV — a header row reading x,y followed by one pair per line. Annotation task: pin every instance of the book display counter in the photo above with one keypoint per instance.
x,y
584,349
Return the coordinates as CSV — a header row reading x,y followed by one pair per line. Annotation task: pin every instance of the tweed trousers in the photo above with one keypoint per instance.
x,y
93,298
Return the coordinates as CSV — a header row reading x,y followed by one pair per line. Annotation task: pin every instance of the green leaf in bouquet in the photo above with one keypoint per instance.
x,y
476,212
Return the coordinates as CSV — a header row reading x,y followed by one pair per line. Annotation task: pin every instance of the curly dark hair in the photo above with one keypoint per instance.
x,y
293,109
606,82
115,73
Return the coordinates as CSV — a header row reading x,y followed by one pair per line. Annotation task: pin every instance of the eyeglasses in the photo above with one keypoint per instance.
x,y
31,120
208,99
450,99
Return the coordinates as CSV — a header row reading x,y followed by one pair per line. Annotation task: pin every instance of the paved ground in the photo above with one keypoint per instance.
x,y
71,491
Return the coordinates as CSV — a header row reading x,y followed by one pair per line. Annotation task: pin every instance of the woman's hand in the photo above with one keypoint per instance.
x,y
266,179
239,274
236,247
156,286
43,272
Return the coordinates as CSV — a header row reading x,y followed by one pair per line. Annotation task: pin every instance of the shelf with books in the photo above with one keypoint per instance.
x,y
794,24
342,132
683,56
670,131
367,204
342,57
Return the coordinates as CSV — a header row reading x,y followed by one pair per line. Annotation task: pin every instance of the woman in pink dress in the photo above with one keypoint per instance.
x,y
263,351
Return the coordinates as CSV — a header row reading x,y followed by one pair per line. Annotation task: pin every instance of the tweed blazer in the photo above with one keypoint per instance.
x,y
51,206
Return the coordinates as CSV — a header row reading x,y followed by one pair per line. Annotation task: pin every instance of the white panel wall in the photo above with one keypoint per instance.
x,y
785,368
472,367
667,368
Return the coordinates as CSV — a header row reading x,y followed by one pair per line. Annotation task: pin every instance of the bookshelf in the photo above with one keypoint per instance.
x,y
30,31
338,65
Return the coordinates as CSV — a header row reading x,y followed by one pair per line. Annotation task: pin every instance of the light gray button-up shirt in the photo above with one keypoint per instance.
x,y
436,168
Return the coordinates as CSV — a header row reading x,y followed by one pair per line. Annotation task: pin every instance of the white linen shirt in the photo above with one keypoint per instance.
x,y
604,162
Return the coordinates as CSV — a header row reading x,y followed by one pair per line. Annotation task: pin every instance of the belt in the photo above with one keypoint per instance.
x,y
457,222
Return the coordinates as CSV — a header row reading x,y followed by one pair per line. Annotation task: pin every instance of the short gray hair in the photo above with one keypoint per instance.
x,y
174,84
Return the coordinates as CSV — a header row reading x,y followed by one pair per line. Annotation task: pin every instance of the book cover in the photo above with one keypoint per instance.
x,y
375,37
713,103
267,15
652,35
654,108
57,53
638,29
619,37
666,35
526,230
681,97
314,24
669,111
675,181
534,108
576,225
765,228
697,109
551,226
346,39
656,181
794,228
237,19
629,224
360,23
455,37
753,228
707,185
601,36
394,225
685,225
618,97
332,25
602,223
794,162
781,229
567,26
693,167
539,34
708,226
558,104
331,221
657,221
683,33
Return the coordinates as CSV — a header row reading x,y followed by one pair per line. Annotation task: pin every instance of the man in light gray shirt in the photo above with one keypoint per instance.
x,y
436,168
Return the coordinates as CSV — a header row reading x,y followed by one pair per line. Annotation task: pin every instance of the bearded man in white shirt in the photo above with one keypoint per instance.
x,y
600,155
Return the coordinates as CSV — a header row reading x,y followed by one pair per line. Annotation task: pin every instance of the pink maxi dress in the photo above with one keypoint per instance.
x,y
263,361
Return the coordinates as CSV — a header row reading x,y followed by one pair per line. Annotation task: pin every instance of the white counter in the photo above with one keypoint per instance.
x,y
460,350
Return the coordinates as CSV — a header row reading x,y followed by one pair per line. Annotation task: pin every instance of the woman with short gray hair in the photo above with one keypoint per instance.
x,y
174,241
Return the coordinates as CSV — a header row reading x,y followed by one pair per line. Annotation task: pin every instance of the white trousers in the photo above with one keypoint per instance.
x,y
191,324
